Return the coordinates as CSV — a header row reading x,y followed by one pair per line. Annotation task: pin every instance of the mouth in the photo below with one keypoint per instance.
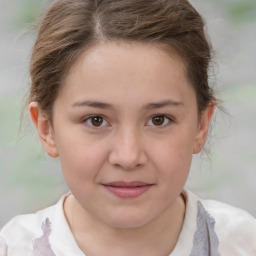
x,y
127,189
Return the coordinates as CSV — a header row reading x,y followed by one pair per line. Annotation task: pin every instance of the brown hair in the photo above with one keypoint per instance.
x,y
71,26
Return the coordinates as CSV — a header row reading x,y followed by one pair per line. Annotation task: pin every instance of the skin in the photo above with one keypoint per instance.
x,y
127,85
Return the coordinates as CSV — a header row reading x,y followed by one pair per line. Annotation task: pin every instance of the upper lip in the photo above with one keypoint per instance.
x,y
126,184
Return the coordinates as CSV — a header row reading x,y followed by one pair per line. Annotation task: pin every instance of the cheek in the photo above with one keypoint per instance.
x,y
179,145
173,156
81,161
175,162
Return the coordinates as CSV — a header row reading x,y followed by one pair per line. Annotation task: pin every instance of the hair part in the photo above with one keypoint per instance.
x,y
69,27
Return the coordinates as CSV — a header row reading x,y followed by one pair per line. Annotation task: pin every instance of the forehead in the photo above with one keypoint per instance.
x,y
123,53
138,69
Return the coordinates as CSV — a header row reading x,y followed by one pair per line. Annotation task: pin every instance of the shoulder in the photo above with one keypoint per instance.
x,y
19,233
3,247
235,228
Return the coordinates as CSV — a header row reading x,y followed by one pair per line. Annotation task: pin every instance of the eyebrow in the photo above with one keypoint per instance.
x,y
161,104
93,104
103,105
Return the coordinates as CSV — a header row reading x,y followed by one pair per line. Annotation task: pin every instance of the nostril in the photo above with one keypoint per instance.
x,y
127,161
127,151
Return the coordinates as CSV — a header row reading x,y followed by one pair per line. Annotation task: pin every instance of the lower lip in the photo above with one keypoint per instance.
x,y
128,192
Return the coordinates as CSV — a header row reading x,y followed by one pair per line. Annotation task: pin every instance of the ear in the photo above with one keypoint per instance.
x,y
44,129
203,128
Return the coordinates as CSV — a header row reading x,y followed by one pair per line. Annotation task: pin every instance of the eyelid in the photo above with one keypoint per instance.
x,y
169,118
89,117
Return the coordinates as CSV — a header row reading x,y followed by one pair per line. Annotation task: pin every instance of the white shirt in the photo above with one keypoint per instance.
x,y
210,228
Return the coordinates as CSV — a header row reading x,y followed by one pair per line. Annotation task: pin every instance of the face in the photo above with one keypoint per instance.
x,y
125,126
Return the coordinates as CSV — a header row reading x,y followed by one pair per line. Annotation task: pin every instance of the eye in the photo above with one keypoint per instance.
x,y
159,120
96,121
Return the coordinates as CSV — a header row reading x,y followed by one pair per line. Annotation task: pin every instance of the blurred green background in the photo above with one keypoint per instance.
x,y
30,180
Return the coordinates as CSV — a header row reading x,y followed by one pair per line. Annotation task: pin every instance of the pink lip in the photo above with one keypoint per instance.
x,y
127,189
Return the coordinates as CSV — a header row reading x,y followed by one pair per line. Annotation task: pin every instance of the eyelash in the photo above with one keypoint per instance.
x,y
167,120
88,120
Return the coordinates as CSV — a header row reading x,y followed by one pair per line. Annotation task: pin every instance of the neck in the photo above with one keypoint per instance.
x,y
158,237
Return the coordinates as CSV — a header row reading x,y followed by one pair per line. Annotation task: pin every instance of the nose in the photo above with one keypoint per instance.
x,y
127,151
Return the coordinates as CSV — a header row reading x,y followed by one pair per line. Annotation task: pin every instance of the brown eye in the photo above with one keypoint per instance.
x,y
97,120
158,120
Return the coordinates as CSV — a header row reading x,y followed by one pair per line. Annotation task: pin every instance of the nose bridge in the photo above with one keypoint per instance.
x,y
127,148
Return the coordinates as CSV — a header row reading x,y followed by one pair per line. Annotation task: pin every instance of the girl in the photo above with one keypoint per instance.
x,y
120,94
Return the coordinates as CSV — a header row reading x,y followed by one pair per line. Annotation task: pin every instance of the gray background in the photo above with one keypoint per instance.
x,y
30,180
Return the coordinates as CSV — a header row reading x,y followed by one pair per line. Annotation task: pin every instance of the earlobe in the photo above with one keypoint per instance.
x,y
203,129
44,129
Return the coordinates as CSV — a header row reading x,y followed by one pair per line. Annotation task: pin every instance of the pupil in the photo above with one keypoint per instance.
x,y
158,120
97,120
